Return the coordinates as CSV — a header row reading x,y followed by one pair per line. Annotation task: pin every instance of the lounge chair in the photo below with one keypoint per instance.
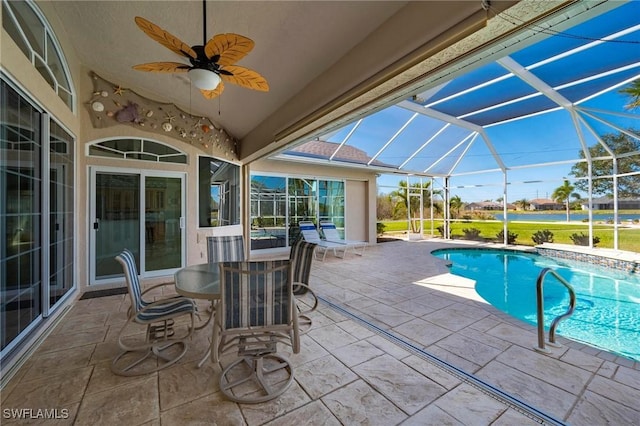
x,y
331,234
310,234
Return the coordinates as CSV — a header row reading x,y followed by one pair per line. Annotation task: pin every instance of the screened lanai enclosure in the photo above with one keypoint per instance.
x,y
549,104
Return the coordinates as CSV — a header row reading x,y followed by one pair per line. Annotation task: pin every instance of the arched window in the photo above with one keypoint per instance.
x,y
137,149
29,29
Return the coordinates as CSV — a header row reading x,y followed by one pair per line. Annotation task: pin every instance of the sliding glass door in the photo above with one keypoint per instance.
x,y
36,216
142,212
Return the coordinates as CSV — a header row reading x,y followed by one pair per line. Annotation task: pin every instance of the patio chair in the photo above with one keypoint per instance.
x,y
310,234
225,248
331,234
256,312
301,257
159,317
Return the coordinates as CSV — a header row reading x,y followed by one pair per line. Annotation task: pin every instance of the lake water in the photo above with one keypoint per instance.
x,y
562,217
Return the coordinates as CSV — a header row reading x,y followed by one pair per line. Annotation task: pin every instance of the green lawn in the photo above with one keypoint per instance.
x,y
628,238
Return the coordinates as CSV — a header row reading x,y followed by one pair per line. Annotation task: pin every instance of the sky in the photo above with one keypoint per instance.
x,y
581,77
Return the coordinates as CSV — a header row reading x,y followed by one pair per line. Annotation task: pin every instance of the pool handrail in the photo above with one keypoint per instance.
x,y
540,305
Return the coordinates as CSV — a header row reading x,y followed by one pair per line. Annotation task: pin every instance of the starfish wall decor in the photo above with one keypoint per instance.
x,y
112,104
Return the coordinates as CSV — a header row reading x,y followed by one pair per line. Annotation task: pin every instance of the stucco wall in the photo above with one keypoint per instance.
x,y
360,188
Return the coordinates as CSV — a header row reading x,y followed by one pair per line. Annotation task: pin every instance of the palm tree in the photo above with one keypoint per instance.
x,y
455,203
562,194
522,204
634,93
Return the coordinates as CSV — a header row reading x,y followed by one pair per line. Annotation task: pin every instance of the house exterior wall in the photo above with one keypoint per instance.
x,y
360,185
360,188
360,191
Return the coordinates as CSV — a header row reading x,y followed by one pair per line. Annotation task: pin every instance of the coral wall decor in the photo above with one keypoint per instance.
x,y
111,105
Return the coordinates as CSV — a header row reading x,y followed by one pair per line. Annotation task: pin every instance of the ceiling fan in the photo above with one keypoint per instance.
x,y
210,62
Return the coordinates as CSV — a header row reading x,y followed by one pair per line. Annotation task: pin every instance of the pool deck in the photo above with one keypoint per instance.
x,y
396,340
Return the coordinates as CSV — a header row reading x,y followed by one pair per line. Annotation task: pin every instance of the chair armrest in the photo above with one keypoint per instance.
x,y
315,298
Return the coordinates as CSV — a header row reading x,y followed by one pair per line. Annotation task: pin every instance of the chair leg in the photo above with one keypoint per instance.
x,y
304,324
261,370
159,338
129,368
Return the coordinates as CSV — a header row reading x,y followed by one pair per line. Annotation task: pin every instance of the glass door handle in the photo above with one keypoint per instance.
x,y
96,225
181,222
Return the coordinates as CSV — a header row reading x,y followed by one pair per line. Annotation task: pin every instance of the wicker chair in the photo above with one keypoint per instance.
x,y
159,317
255,313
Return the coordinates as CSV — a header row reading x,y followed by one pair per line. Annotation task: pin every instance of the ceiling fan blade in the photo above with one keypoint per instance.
x,y
166,39
244,77
210,94
230,48
162,67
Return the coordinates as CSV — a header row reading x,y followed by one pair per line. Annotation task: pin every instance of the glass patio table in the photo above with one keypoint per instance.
x,y
200,282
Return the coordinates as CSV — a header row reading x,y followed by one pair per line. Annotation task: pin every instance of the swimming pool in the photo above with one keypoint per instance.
x,y
607,313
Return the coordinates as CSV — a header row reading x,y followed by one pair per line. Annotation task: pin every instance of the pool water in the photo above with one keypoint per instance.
x,y
607,313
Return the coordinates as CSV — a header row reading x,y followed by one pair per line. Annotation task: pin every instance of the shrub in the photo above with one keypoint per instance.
x,y
511,237
471,234
582,239
380,228
441,230
466,218
544,236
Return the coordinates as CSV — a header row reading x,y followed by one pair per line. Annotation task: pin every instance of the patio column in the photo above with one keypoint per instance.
x,y
447,212
431,209
421,208
615,203
505,227
408,195
590,194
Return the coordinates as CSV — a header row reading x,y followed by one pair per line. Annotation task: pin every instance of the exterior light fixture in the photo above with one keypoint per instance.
x,y
204,79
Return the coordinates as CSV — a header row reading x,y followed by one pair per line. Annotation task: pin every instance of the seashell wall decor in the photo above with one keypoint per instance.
x,y
112,105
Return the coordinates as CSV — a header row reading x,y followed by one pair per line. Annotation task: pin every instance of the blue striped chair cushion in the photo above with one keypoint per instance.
x,y
128,262
254,294
169,308
228,248
301,256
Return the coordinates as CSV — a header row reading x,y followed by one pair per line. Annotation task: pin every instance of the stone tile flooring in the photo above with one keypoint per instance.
x,y
368,359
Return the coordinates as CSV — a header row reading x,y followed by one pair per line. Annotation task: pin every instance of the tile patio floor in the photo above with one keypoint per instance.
x,y
367,360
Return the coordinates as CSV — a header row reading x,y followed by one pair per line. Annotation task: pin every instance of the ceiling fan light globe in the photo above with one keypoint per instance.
x,y
204,79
